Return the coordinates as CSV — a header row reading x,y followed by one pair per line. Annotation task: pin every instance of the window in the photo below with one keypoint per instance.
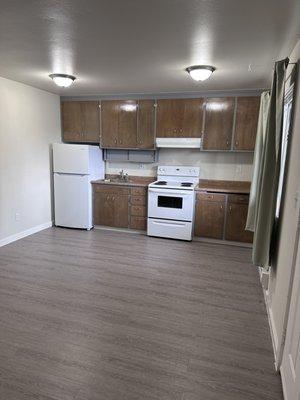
x,y
169,202
287,113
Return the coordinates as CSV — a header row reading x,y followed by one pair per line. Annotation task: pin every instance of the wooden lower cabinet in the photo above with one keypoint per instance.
x,y
236,217
210,212
111,206
138,223
120,207
217,216
210,215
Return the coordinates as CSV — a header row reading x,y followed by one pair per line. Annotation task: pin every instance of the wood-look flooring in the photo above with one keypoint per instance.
x,y
105,315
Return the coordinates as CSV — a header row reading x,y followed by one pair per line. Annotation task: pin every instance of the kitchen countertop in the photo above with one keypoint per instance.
x,y
207,185
224,186
133,181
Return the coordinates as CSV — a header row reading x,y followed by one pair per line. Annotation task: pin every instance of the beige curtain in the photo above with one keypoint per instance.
x,y
261,217
258,161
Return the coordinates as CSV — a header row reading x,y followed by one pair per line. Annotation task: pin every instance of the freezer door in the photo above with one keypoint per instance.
x,y
71,158
73,201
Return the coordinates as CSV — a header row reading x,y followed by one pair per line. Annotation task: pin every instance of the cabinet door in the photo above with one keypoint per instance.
x,y
192,118
72,123
209,218
103,209
109,124
218,123
127,124
235,223
91,121
179,117
246,123
145,124
139,223
121,211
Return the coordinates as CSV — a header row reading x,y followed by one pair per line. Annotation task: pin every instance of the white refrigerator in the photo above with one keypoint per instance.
x,y
74,167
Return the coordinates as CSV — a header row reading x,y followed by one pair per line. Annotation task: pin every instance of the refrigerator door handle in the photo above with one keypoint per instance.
x,y
65,173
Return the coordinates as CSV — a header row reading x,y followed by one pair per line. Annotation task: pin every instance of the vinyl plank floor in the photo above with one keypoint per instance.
x,y
105,315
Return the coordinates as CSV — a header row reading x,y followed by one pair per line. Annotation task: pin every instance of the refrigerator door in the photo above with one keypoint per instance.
x,y
71,158
73,201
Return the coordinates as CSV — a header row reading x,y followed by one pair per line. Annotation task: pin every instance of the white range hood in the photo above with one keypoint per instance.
x,y
179,143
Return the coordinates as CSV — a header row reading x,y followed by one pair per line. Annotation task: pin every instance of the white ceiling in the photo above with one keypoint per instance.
x,y
143,46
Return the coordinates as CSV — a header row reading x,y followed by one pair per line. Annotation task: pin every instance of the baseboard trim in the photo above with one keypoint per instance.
x,y
27,232
124,230
221,241
274,336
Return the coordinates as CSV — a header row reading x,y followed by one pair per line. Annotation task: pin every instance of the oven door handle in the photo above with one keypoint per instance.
x,y
167,223
174,192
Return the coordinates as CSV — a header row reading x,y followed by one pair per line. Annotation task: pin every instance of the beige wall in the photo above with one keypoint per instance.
x,y
280,275
29,123
214,165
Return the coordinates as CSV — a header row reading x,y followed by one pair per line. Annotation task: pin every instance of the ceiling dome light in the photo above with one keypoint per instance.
x,y
200,72
62,80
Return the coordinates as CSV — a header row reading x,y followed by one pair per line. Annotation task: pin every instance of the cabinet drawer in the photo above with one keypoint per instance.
x,y
139,211
110,189
138,191
139,223
238,198
211,197
138,200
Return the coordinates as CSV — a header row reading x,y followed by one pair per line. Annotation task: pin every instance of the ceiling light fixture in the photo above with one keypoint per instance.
x,y
62,80
200,72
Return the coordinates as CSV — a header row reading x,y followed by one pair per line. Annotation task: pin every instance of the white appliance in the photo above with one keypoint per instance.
x,y
171,202
74,167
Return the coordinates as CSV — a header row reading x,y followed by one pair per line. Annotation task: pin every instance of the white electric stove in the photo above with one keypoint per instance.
x,y
171,202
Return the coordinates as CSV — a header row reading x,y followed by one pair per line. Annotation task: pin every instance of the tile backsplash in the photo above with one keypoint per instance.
x,y
213,165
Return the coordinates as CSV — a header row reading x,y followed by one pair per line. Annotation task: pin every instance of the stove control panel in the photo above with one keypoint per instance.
x,y
178,171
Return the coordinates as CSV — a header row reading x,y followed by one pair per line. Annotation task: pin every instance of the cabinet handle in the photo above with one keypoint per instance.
x,y
230,208
221,207
227,142
116,141
236,142
120,141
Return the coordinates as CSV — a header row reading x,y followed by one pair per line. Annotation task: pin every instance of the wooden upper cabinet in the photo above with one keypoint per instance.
x,y
247,111
72,122
210,215
219,114
179,118
91,121
80,121
146,124
237,209
127,124
109,123
118,124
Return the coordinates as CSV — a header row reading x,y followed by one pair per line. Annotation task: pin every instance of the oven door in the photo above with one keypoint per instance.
x,y
171,204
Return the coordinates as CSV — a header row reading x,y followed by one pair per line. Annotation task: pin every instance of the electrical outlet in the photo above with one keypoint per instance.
x,y
17,216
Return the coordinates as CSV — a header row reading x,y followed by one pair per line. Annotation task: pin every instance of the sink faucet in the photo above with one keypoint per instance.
x,y
122,176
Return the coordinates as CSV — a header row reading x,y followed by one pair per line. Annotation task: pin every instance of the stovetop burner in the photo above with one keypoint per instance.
x,y
186,184
163,183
